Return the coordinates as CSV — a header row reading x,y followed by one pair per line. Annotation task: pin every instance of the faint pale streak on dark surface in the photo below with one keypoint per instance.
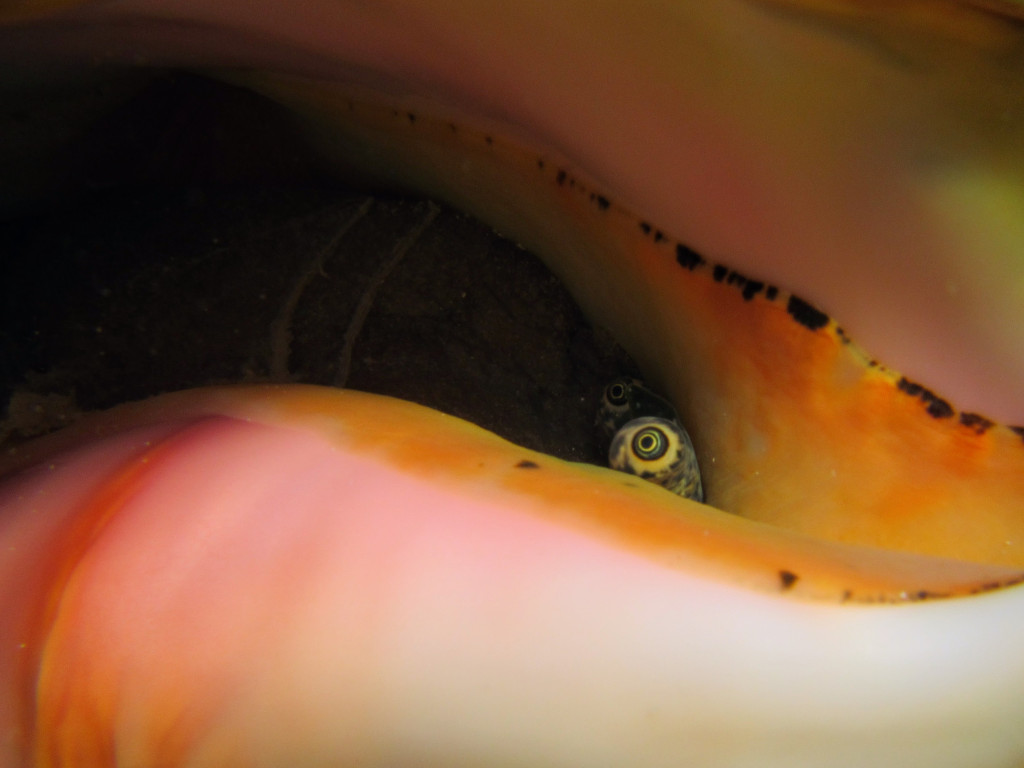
x,y
212,251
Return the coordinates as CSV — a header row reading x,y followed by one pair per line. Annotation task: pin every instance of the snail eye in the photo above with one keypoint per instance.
x,y
650,443
617,393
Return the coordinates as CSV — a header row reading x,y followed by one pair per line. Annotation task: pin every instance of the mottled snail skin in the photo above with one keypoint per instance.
x,y
659,451
627,398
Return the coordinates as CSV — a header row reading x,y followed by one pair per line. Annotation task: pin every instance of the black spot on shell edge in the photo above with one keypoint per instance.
x,y
935,406
751,289
807,315
976,423
527,464
787,579
688,258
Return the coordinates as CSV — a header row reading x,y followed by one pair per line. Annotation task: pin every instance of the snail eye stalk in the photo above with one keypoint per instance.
x,y
617,394
625,399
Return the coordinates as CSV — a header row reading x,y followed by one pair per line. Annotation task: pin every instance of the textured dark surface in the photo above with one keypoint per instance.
x,y
186,249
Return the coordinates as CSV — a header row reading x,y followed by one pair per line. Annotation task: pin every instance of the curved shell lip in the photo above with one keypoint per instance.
x,y
603,504
215,29
449,616
924,593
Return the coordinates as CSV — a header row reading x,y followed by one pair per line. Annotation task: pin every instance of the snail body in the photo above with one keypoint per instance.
x,y
659,451
647,438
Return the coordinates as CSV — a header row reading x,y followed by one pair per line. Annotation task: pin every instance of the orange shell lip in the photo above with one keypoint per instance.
x,y
179,570
766,382
452,453
793,423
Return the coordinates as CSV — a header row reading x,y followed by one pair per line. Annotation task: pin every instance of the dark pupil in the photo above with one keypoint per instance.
x,y
650,443
617,394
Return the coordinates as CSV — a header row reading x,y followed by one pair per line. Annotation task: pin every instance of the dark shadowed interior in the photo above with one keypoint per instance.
x,y
188,238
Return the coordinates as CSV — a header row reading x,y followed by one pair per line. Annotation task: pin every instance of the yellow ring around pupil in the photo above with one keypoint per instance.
x,y
650,443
